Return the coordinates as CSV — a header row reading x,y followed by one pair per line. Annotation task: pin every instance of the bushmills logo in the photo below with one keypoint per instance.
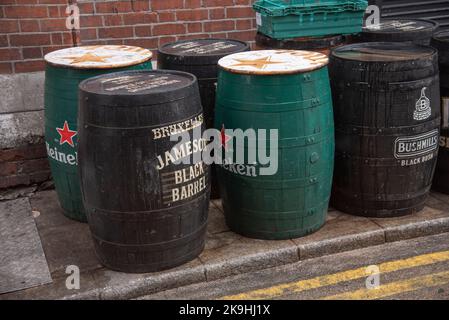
x,y
422,107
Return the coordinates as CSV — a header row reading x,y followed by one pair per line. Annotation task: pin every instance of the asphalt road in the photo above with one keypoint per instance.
x,y
414,269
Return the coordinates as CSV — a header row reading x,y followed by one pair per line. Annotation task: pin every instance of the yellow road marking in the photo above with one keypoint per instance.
x,y
394,288
332,279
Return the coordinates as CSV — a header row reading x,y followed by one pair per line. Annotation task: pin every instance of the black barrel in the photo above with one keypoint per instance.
x,y
200,57
318,44
418,31
387,115
440,41
147,211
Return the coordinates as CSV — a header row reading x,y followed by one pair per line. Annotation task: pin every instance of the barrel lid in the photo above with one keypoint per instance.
x,y
202,51
442,36
383,52
128,83
273,62
98,57
401,26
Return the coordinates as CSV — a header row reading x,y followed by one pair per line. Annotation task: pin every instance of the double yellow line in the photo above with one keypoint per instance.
x,y
336,278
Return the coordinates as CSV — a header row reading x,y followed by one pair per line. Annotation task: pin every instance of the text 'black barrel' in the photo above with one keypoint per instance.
x,y
387,117
144,187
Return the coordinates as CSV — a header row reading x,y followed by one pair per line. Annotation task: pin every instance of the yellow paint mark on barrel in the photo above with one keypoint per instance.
x,y
332,279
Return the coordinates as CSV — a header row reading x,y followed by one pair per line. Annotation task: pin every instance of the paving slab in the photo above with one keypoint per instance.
x,y
342,232
22,260
433,219
66,242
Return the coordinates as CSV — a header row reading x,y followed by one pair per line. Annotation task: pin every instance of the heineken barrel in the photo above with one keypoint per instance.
x,y
441,179
65,69
200,57
287,94
387,116
319,44
418,31
144,185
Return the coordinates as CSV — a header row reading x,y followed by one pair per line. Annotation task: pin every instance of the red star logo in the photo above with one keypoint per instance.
x,y
66,134
224,137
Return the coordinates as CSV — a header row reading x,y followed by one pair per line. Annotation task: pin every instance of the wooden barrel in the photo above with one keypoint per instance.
x,y
200,57
65,69
318,44
387,114
441,179
417,31
287,91
146,195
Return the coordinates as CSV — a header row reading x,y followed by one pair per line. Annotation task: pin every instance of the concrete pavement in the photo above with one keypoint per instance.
x,y
66,243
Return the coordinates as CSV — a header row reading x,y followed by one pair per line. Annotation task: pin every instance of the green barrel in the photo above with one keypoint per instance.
x,y
288,91
65,69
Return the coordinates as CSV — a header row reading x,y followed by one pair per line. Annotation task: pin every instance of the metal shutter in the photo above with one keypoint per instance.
x,y
437,10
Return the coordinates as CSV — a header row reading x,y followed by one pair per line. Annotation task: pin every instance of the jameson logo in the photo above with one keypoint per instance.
x,y
416,149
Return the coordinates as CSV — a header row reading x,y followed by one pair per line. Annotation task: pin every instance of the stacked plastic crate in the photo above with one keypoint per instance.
x,y
289,19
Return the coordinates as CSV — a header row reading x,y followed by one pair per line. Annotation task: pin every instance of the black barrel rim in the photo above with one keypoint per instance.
x,y
131,98
426,30
398,51
298,43
200,59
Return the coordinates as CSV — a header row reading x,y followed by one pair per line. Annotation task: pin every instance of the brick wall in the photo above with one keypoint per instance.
x,y
31,28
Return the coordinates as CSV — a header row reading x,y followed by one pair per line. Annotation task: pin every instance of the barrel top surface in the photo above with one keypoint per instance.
x,y
387,26
383,52
203,47
273,62
98,57
442,36
137,82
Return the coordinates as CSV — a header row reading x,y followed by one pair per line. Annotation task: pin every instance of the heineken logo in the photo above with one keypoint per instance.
x,y
66,135
224,137
62,157
422,107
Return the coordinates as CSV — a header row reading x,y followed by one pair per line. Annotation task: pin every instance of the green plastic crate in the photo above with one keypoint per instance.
x,y
279,20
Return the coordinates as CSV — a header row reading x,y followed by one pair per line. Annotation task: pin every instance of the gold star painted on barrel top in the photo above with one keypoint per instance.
x,y
98,57
88,57
271,62
257,63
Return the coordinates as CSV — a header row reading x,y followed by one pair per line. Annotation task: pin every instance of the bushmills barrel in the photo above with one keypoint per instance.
x,y
281,91
440,42
65,69
200,57
387,118
145,190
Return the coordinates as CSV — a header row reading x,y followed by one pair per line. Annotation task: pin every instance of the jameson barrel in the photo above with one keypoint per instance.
x,y
387,115
200,57
281,101
319,44
441,179
65,69
417,31
144,186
